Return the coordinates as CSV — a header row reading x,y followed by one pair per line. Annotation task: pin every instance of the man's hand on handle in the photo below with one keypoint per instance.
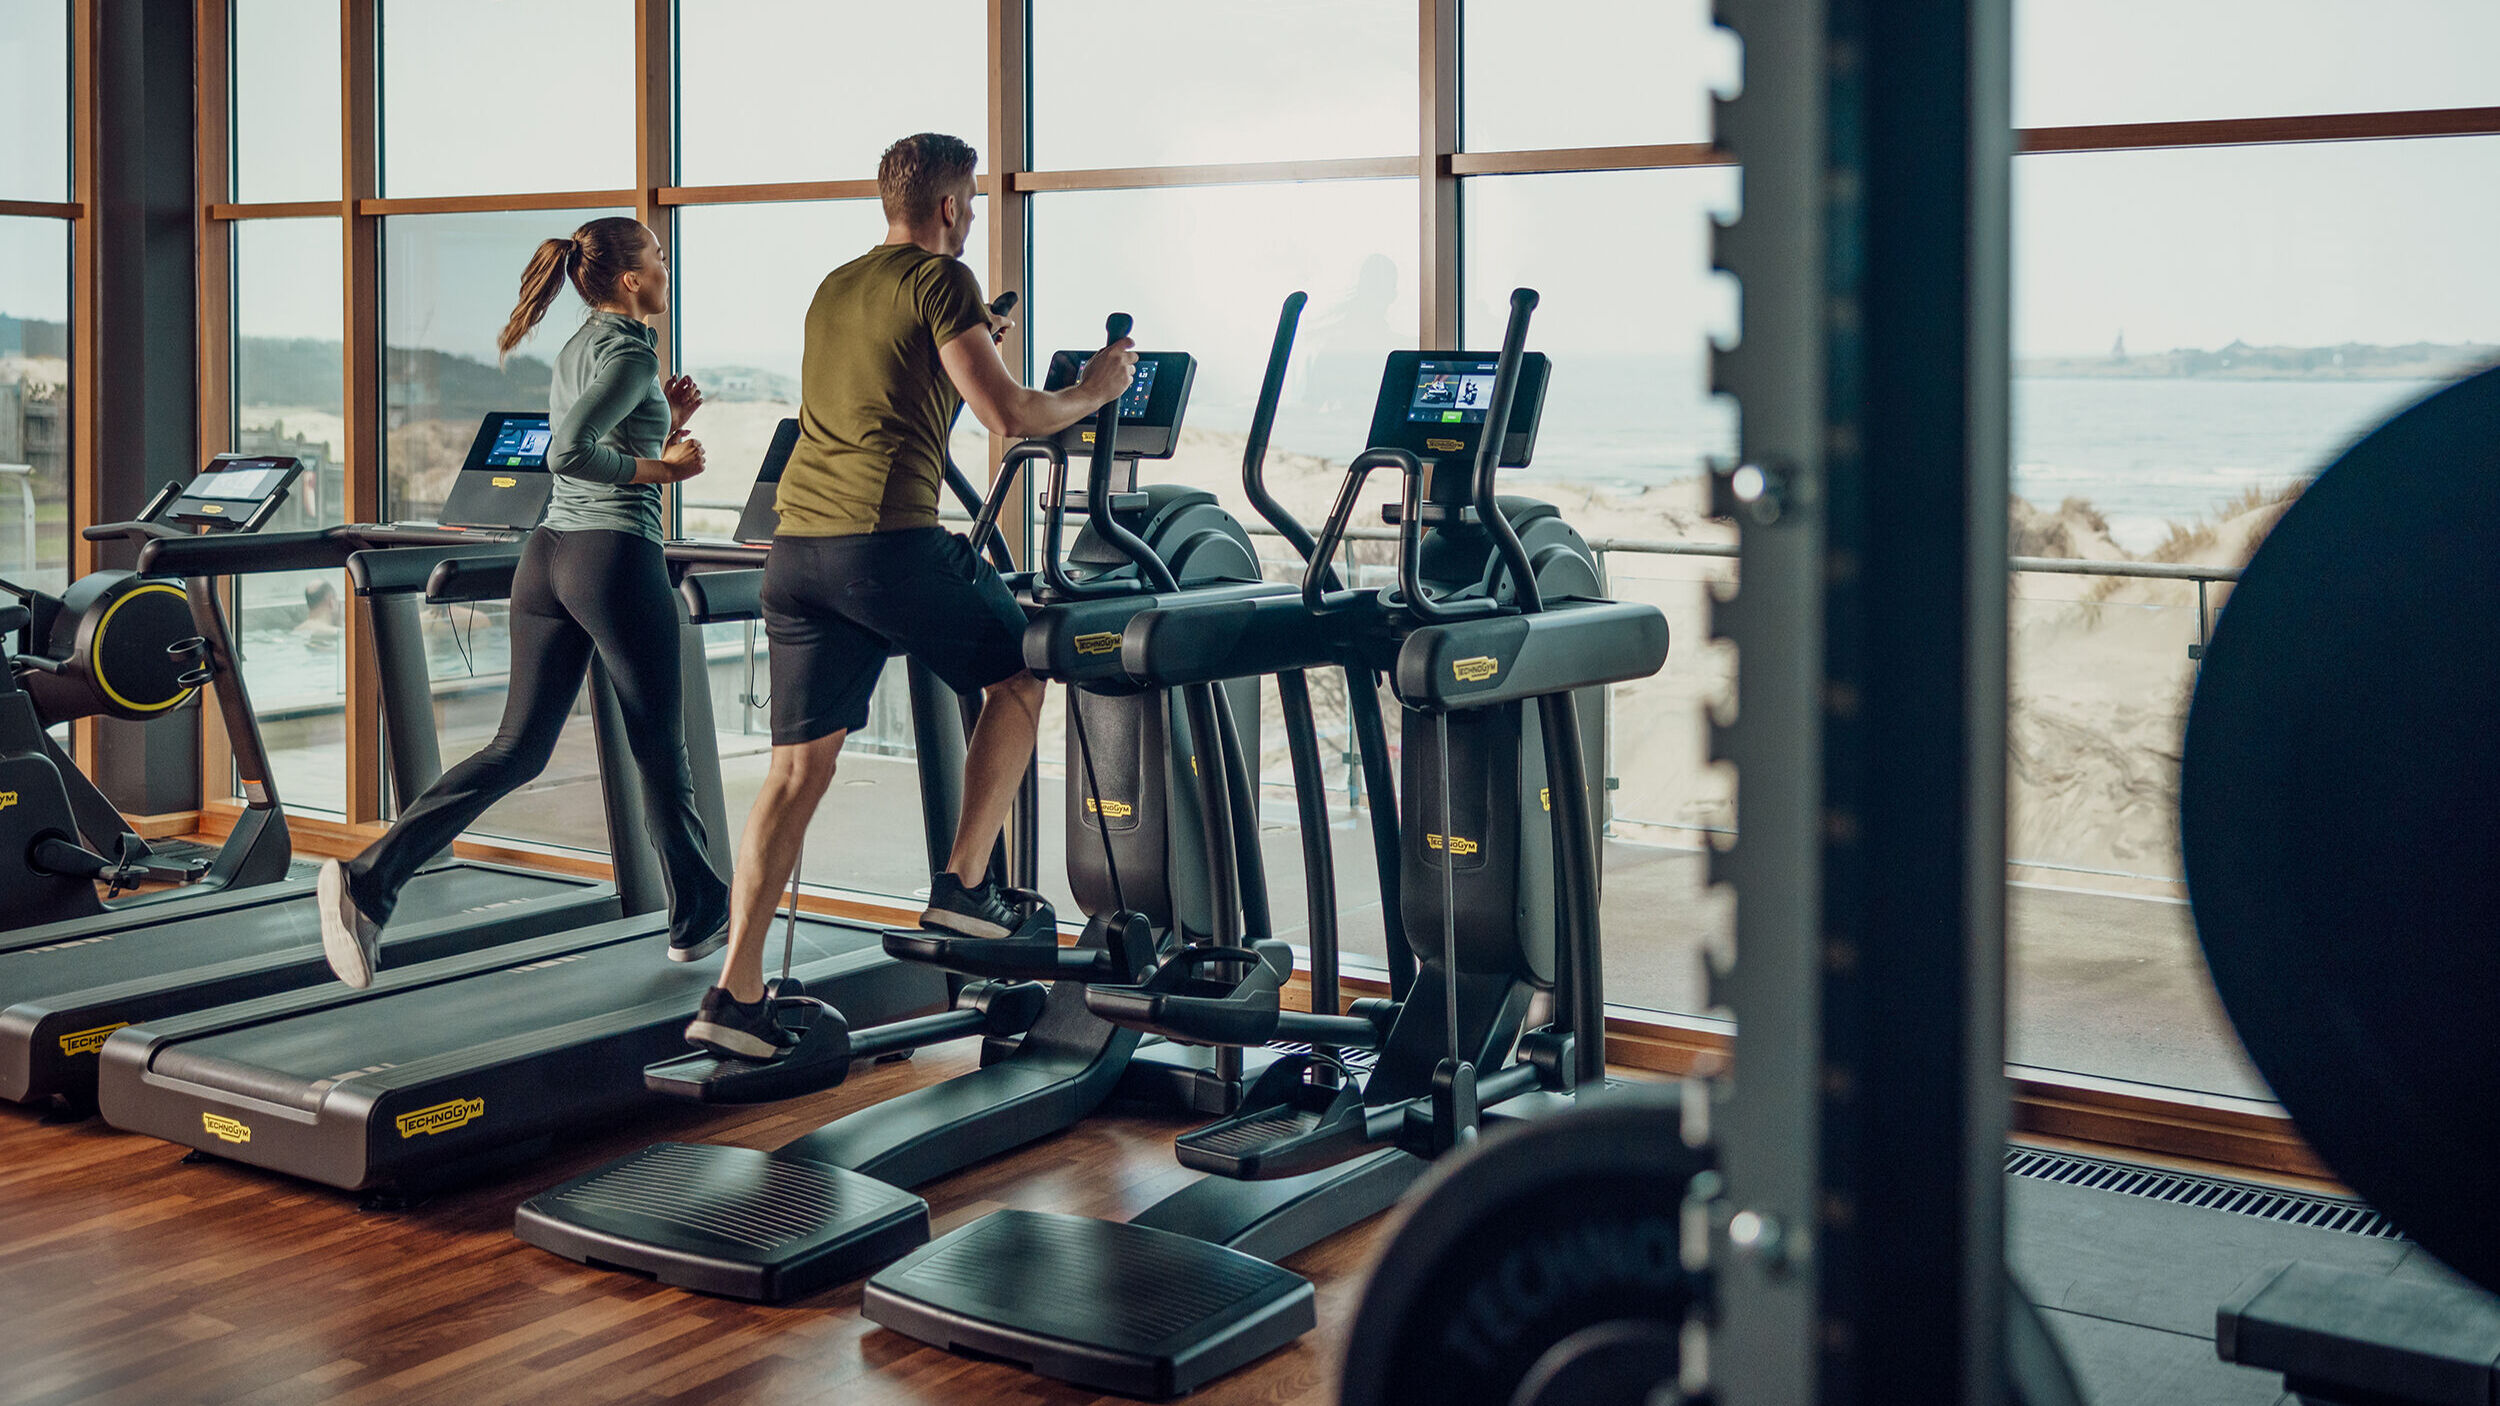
x,y
1108,372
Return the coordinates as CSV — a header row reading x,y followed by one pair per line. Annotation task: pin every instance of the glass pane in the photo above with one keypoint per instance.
x,y
740,334
34,402
1565,73
448,284
740,321
480,97
288,374
2156,61
286,101
34,99
751,75
2197,333
1629,425
1224,259
1146,83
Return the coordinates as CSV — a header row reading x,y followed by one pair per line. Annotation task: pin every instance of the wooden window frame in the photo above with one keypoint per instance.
x,y
2049,1103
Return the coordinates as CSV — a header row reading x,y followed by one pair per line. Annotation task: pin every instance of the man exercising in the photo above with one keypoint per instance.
x,y
896,340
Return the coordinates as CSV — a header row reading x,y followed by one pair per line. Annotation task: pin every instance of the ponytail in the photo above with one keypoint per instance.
x,y
595,261
548,270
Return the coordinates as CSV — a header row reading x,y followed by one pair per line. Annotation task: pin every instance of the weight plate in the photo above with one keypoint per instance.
x,y
2339,813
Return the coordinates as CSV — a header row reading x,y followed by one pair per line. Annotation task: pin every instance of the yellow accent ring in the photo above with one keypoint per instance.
x,y
97,650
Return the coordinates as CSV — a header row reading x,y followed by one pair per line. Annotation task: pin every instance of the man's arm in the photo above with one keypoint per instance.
x,y
1021,412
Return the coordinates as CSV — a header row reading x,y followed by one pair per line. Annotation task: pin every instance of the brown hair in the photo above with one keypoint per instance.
x,y
596,259
919,171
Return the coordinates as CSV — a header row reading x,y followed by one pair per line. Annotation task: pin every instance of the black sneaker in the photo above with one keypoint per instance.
x,y
352,941
974,912
735,1029
700,931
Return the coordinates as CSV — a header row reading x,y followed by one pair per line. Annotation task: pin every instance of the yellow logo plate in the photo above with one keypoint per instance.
x,y
80,1042
501,482
442,1117
1476,670
1459,845
7,799
225,1129
1100,642
1446,446
1117,810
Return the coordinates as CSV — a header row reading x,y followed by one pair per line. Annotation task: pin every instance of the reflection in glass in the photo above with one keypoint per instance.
x,y
288,374
752,74
449,283
34,402
34,99
480,97
1224,257
286,105
2155,61
1276,81
1568,73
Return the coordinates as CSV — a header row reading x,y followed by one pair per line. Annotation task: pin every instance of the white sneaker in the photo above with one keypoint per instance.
x,y
352,941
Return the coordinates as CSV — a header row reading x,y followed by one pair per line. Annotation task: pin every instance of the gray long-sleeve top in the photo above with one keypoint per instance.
x,y
608,411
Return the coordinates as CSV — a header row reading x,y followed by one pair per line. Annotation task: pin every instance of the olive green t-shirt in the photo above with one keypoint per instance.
x,y
875,403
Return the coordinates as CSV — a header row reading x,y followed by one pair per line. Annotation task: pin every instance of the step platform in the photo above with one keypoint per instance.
x,y
1102,1304
727,1220
2342,1336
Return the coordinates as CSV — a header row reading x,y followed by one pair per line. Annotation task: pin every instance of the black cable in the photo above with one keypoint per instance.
x,y
1449,891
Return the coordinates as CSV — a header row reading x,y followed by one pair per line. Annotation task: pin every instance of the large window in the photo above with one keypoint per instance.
x,y
482,97
760,102
2199,326
34,99
1146,83
34,402
291,626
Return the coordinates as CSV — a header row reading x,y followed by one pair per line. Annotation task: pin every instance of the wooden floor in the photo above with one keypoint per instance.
x,y
126,1276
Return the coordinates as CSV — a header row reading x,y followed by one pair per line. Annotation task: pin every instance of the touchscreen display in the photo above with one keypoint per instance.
x,y
1141,392
249,479
519,444
1451,392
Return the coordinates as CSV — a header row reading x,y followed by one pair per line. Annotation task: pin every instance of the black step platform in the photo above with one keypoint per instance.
x,y
727,1220
1102,1304
2342,1335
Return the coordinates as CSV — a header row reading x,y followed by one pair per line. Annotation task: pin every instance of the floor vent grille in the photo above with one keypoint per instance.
x,y
2336,1213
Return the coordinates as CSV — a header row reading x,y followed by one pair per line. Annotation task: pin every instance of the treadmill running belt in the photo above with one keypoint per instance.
x,y
224,937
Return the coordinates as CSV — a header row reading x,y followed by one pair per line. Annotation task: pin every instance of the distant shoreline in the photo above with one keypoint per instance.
x,y
2353,361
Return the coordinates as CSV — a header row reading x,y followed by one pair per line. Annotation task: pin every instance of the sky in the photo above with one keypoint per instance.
x,y
2372,241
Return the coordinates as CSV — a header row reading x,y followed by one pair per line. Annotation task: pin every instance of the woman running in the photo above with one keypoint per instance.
x,y
591,579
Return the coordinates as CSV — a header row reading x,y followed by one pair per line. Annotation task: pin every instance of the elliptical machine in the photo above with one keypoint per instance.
x,y
135,647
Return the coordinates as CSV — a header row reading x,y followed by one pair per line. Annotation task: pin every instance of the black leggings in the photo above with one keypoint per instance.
x,y
574,592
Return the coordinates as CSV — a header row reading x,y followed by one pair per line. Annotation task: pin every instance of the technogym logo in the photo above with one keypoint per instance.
x,y
85,1042
1100,642
442,1117
501,482
7,799
1476,670
1117,810
1459,845
225,1129
1446,446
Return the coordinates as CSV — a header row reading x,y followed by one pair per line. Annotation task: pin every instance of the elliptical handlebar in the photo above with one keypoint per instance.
x,y
1262,423
1530,600
1158,575
1316,595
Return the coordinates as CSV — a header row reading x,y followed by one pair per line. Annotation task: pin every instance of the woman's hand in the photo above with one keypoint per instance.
x,y
683,457
684,398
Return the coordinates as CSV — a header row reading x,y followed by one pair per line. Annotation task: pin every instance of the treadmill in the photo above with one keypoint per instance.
x,y
446,1070
66,987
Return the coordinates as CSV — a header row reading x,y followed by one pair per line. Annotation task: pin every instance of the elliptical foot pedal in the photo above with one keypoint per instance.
x,y
820,1060
1292,1121
1102,1304
726,1220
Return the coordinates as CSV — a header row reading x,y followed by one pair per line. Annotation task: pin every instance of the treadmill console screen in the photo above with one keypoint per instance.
x,y
1150,409
1433,405
236,489
520,443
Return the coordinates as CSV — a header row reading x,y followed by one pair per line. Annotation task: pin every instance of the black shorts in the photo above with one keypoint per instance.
x,y
836,607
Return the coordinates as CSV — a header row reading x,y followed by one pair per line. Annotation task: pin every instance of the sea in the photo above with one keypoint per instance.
x,y
2145,452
